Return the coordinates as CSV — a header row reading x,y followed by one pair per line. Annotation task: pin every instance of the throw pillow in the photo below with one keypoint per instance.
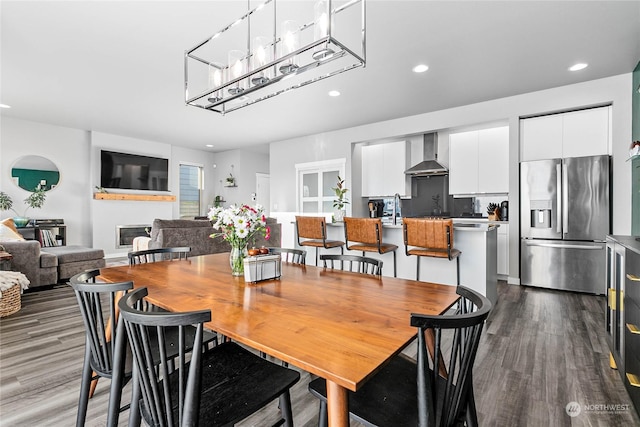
x,y
8,235
9,223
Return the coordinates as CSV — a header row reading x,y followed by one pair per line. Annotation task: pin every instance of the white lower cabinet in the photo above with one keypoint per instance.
x,y
503,249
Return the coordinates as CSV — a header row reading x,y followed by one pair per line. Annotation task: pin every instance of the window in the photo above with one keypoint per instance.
x,y
314,182
191,179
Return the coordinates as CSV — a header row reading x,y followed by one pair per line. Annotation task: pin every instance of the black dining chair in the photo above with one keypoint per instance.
x,y
291,256
406,392
158,254
354,263
97,302
100,313
218,387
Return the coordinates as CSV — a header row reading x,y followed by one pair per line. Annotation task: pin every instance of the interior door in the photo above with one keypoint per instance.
x,y
263,195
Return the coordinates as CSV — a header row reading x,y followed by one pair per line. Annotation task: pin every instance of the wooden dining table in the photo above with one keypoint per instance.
x,y
338,325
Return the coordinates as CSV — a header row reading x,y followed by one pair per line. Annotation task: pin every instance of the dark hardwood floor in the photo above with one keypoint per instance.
x,y
540,350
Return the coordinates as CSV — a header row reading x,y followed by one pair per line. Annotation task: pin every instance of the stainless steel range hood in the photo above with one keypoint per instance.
x,y
430,165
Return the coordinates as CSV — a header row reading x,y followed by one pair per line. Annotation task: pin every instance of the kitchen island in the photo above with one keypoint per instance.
x,y
478,262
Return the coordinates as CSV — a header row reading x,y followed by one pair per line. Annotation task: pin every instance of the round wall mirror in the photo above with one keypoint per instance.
x,y
29,172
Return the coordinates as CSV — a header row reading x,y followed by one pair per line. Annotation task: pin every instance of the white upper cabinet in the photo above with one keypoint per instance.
x,y
372,179
574,134
463,163
542,137
479,161
383,167
586,132
493,160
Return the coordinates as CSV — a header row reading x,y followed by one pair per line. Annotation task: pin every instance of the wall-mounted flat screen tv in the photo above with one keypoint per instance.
x,y
133,172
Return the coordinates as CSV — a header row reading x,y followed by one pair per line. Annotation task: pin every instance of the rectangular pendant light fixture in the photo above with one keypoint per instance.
x,y
273,48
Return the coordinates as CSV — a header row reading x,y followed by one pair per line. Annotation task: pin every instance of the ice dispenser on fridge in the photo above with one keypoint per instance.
x,y
540,214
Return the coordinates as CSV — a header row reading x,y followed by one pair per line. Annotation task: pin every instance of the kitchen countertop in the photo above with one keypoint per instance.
x,y
629,242
469,224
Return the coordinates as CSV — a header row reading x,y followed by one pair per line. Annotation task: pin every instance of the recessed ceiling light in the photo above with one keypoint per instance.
x,y
334,93
579,66
5,106
421,68
209,145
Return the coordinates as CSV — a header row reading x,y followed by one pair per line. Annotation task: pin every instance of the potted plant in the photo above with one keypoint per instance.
x,y
340,200
230,181
34,200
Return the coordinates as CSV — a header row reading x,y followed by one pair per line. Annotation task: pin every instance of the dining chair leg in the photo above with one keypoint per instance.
x,y
83,400
117,378
471,417
323,420
285,409
417,268
136,394
317,256
394,264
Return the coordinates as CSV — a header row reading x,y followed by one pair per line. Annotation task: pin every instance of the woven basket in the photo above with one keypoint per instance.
x,y
10,302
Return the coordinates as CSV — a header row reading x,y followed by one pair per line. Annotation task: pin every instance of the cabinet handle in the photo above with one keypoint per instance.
x,y
633,277
633,329
633,380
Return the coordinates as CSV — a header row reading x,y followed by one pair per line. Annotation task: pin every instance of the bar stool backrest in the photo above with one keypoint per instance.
x,y
364,230
311,227
429,233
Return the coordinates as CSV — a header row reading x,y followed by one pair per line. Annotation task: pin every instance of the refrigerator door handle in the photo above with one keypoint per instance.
x,y
559,210
565,202
564,246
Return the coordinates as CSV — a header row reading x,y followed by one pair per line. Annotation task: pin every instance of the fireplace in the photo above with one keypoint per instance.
x,y
126,233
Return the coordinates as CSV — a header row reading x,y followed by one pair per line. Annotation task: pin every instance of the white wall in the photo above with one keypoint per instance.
x,y
66,147
615,90
246,163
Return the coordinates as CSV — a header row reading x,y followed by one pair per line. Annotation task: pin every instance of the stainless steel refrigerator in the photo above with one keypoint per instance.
x,y
564,220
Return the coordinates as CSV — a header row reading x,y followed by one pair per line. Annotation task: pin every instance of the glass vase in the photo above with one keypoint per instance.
x,y
236,260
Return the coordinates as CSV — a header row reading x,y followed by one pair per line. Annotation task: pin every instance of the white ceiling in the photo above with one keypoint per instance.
x,y
117,66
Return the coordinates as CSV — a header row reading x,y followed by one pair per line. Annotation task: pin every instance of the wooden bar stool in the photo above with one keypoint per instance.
x,y
314,229
367,234
430,237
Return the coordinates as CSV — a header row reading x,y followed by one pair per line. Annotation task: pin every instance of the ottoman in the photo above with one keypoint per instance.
x,y
75,259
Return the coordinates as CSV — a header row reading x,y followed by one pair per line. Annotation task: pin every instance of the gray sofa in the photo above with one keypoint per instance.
x,y
41,268
51,265
166,233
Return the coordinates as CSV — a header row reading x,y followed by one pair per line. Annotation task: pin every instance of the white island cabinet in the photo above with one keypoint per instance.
x,y
478,261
